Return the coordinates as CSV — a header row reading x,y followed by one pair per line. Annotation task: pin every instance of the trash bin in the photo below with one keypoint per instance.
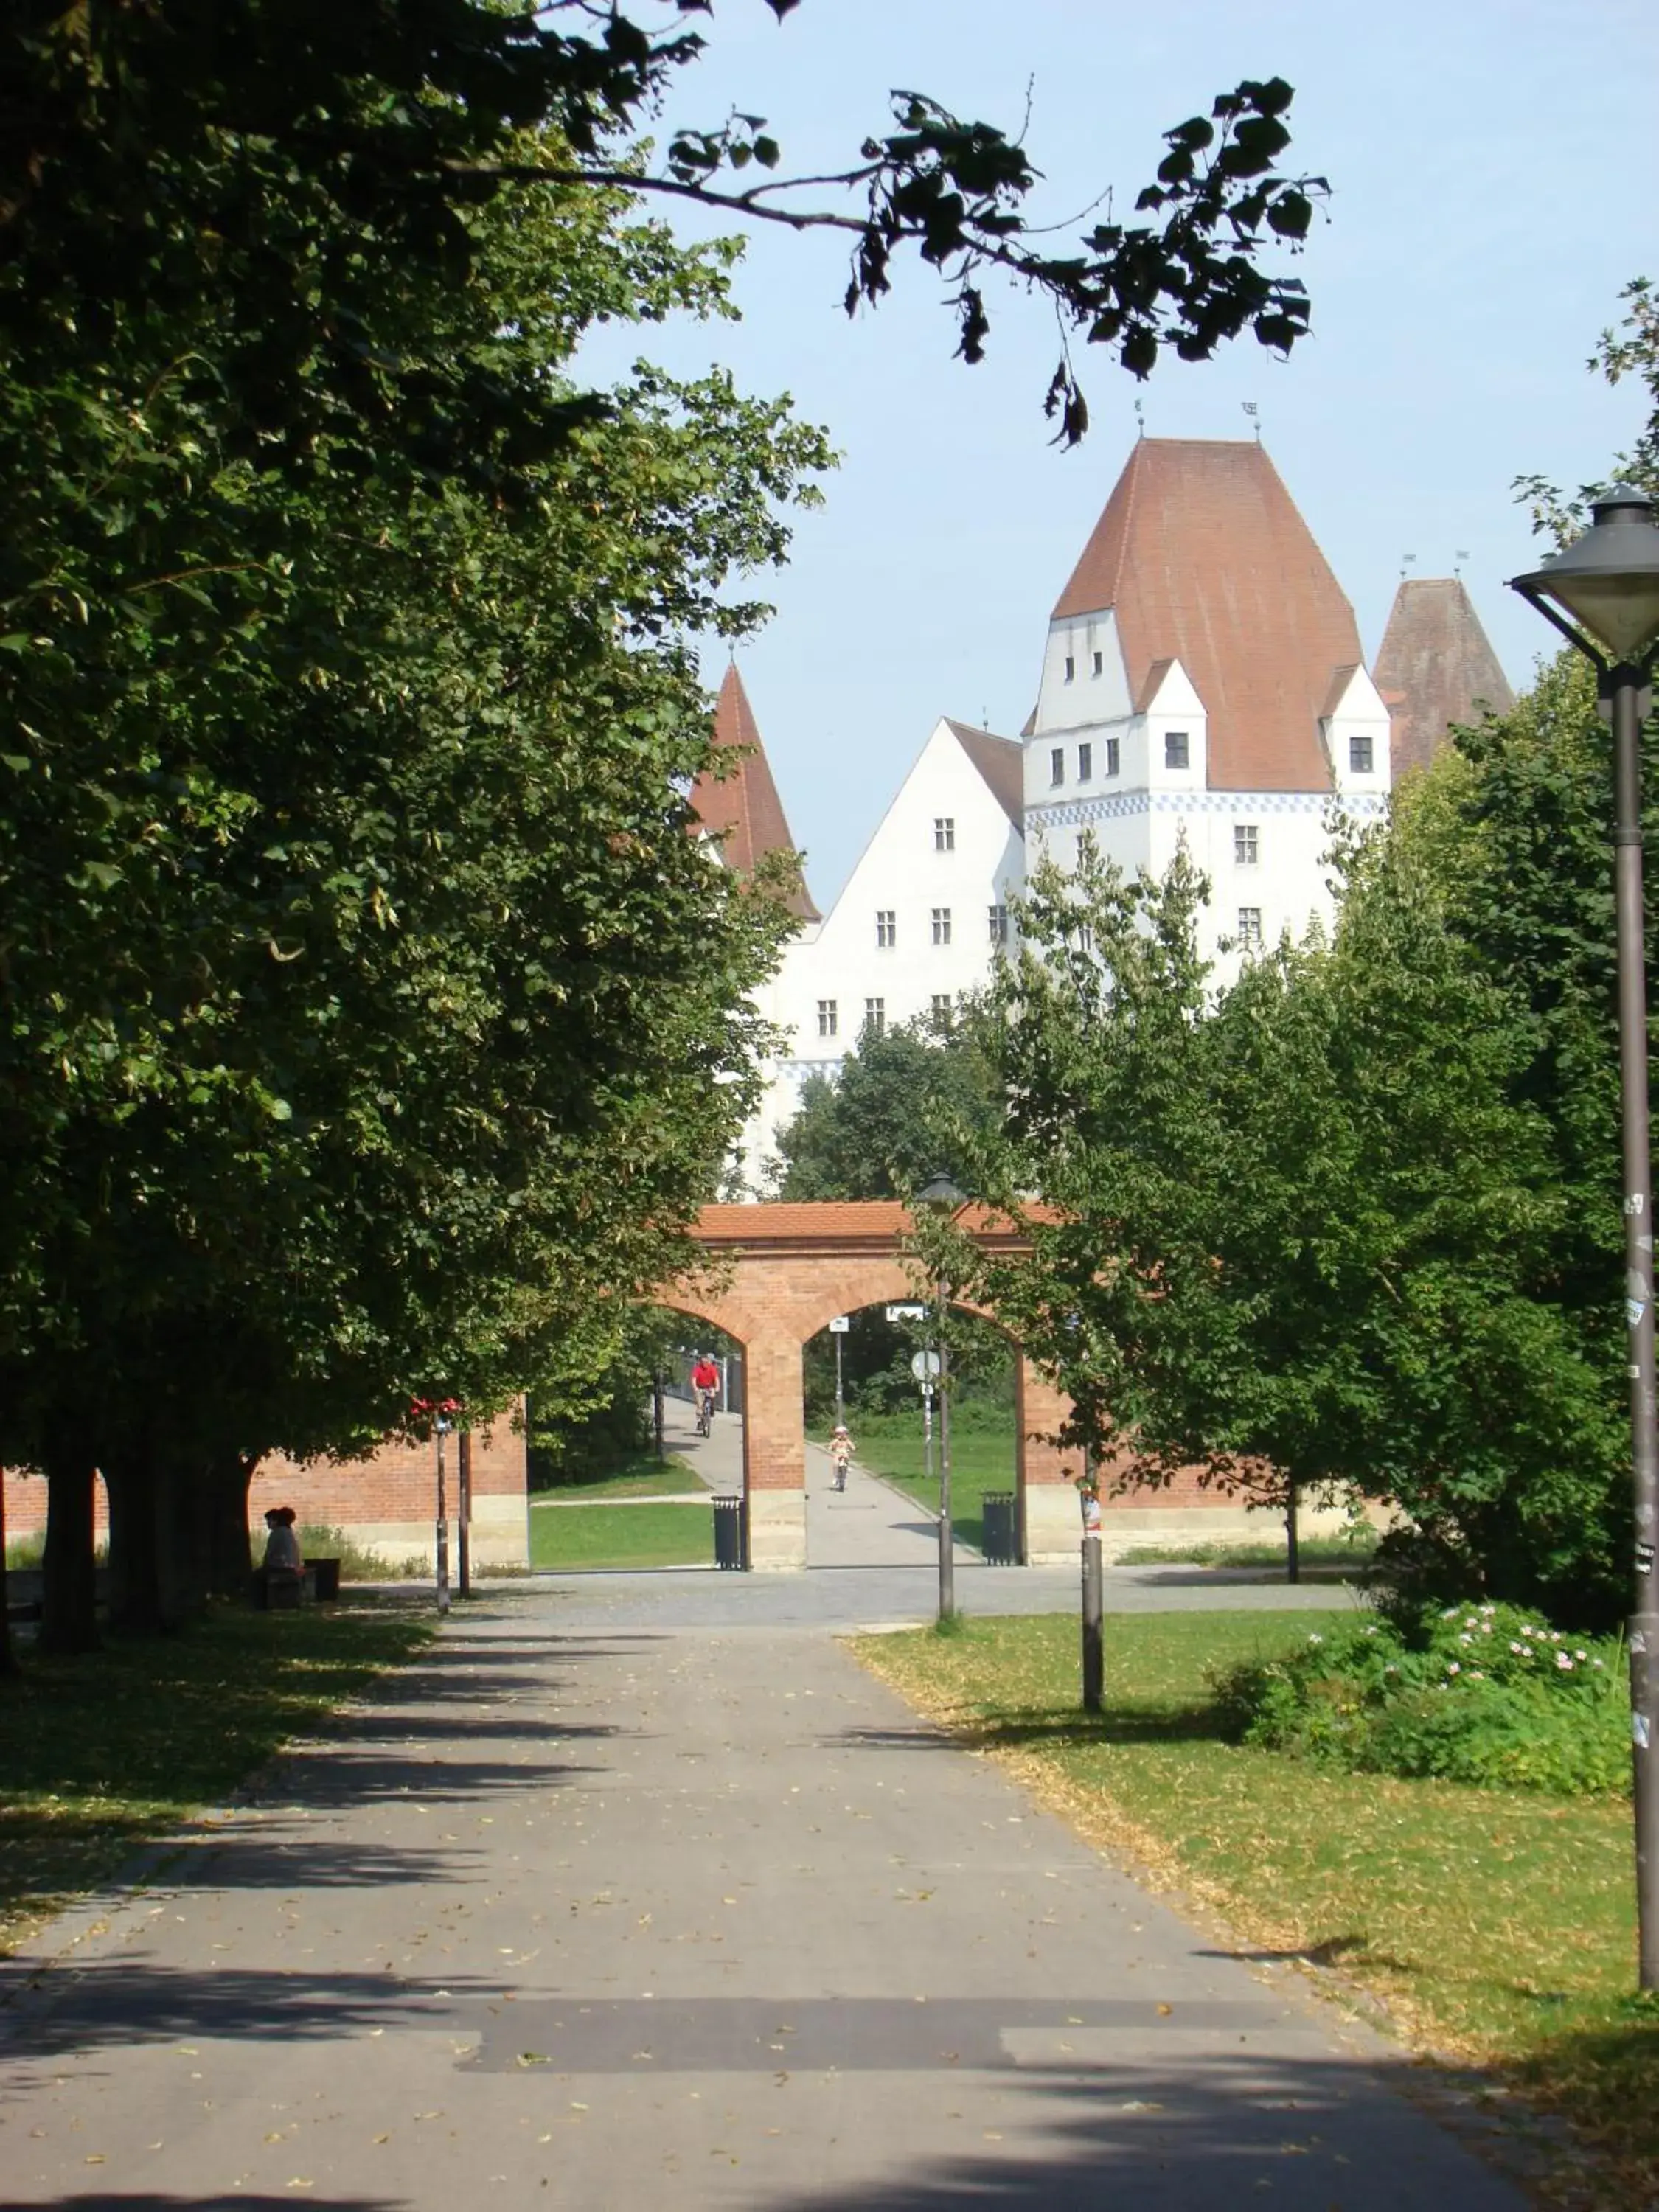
x,y
327,1572
729,1549
1001,1540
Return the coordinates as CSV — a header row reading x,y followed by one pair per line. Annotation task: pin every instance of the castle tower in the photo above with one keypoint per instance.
x,y
1203,683
1434,667
739,808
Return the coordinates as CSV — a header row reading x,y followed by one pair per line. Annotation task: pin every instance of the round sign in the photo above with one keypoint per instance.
x,y
924,1366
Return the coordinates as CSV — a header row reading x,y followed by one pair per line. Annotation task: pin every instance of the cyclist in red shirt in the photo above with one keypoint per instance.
x,y
706,1389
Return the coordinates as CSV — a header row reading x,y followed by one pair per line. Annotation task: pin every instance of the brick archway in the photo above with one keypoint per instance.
x,y
781,1274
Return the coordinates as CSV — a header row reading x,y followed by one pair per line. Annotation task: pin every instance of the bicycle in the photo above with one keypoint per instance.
x,y
705,1413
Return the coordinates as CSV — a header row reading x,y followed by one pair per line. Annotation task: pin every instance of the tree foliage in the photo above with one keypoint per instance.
x,y
1348,1222
901,1107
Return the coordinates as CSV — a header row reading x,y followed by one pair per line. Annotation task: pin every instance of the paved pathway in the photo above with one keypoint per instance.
x,y
599,1917
869,1524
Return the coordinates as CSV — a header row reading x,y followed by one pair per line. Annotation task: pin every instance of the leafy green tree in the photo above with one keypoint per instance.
x,y
901,1107
1306,1235
420,1071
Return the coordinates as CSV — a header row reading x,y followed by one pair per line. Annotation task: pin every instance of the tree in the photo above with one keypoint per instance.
x,y
900,1108
418,1073
1304,1232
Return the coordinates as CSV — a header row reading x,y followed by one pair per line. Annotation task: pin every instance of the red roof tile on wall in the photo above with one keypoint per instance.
x,y
1203,559
742,809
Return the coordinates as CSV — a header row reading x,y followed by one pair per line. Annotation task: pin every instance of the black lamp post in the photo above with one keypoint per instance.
x,y
1602,594
942,1196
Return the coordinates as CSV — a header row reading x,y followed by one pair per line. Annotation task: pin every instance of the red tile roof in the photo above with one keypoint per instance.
x,y
841,1222
1435,667
742,808
1202,556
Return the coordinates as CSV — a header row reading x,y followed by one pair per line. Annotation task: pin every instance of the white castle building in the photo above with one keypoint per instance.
x,y
1202,684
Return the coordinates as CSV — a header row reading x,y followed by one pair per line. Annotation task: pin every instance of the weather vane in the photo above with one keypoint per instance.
x,y
1254,414
1140,418
1406,561
1461,557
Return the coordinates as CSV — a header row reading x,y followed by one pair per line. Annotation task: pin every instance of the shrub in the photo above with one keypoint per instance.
x,y
1488,1694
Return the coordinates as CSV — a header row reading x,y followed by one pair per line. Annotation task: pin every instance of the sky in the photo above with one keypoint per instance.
x,y
1492,190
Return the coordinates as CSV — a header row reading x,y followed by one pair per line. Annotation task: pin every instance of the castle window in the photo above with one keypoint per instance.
x,y
875,1016
944,833
1085,763
1250,925
886,925
1359,755
1247,844
1176,752
1114,756
1100,664
999,925
1057,765
1071,668
826,1018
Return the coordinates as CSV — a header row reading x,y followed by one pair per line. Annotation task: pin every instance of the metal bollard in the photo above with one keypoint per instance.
x,y
1094,1649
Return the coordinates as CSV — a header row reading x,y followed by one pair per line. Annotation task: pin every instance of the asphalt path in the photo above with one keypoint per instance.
x,y
604,1903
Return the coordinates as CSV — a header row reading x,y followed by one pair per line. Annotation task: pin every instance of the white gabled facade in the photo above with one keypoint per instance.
x,y
914,928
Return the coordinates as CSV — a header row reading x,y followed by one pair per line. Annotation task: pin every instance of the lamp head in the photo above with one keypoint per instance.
x,y
1602,590
941,1193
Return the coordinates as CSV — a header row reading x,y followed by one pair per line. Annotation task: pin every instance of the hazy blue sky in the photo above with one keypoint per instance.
x,y
1493,183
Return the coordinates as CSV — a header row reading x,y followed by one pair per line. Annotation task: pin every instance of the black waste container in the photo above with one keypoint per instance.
x,y
1002,1542
729,1547
328,1578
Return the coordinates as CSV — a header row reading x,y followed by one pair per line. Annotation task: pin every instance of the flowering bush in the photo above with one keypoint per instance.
x,y
1483,1693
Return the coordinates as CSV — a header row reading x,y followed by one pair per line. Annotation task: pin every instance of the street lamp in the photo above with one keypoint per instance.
x,y
940,1195
1602,594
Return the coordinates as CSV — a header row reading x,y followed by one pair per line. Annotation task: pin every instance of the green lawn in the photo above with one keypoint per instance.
x,y
105,1752
566,1539
643,1477
981,1460
1497,1926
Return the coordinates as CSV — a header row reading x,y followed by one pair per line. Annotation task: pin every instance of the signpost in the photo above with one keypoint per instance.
x,y
838,1328
925,1366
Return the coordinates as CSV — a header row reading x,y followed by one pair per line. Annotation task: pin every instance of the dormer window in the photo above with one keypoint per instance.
x,y
1359,755
1175,750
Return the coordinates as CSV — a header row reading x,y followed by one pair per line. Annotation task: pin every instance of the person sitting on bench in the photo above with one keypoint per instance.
x,y
283,1568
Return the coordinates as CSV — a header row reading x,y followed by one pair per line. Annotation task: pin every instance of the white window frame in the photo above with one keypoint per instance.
x,y
1247,844
941,925
944,833
886,928
829,1019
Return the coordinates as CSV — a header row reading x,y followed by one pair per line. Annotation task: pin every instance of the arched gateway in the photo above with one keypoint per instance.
x,y
782,1273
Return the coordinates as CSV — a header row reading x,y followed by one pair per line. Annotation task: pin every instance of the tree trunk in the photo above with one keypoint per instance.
x,y
229,1555
68,1618
182,1517
1293,1536
135,1589
7,1659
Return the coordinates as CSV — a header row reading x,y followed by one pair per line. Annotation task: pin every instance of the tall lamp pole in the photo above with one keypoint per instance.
x,y
942,1196
1602,594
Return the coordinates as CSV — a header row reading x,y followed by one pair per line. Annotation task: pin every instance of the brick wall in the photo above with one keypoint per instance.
x,y
385,1502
